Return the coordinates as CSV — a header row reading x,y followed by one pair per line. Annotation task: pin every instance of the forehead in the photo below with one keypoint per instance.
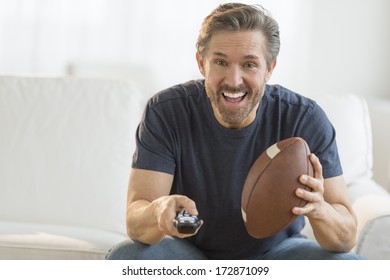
x,y
238,43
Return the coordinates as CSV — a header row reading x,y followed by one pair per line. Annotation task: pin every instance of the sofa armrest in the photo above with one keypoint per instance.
x,y
371,204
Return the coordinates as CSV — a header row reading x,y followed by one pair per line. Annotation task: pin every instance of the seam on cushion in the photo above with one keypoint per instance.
x,y
50,249
367,125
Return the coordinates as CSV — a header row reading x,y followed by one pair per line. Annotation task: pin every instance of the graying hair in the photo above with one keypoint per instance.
x,y
240,17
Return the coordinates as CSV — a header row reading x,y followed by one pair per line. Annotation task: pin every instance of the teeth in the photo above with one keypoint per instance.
x,y
234,95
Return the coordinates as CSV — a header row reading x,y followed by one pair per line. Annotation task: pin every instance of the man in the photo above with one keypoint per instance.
x,y
197,141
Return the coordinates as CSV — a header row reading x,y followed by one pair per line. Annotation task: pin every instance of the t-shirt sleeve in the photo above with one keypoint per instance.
x,y
154,143
320,135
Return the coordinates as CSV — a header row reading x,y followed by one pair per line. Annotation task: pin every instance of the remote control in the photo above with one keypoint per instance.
x,y
186,223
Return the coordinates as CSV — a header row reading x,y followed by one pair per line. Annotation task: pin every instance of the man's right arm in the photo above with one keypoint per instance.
x,y
150,208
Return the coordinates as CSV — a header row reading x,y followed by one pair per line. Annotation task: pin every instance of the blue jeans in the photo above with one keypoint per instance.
x,y
297,248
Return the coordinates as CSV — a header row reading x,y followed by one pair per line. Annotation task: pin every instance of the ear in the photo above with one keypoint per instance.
x,y
269,71
201,63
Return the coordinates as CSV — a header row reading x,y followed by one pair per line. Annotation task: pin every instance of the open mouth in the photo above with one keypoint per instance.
x,y
234,97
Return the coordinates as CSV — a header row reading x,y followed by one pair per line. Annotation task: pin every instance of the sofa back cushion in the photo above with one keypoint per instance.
x,y
66,147
350,117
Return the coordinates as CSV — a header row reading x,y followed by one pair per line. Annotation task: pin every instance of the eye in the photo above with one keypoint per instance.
x,y
249,65
220,62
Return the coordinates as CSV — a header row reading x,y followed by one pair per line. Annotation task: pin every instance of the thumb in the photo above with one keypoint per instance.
x,y
184,202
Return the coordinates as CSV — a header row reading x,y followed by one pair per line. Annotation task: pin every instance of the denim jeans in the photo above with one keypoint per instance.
x,y
298,248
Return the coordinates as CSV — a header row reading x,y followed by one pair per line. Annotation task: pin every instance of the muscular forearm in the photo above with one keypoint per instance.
x,y
141,222
335,230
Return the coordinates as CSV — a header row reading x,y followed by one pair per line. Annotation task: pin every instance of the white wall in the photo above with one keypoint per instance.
x,y
327,45
350,42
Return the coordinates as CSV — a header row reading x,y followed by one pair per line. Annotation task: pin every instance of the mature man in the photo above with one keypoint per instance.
x,y
197,141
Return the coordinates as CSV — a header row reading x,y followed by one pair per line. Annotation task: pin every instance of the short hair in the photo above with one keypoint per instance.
x,y
240,17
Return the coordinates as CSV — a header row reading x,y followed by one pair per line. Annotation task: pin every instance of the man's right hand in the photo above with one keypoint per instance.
x,y
166,209
150,208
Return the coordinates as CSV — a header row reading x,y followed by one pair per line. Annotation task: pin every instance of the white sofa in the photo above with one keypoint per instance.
x,y
65,153
66,148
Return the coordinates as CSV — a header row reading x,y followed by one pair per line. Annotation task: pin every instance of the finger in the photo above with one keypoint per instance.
x,y
305,195
315,185
316,166
302,210
166,211
312,183
183,202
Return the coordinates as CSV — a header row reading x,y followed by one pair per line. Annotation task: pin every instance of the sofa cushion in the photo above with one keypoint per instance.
x,y
45,242
66,147
350,116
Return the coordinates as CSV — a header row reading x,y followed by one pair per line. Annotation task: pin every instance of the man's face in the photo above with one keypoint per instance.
x,y
236,72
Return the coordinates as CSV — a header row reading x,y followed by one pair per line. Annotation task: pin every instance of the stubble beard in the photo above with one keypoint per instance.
x,y
236,116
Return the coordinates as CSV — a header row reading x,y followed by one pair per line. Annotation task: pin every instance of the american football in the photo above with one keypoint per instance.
x,y
268,194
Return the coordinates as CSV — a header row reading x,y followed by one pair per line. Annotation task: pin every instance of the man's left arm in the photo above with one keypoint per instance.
x,y
328,210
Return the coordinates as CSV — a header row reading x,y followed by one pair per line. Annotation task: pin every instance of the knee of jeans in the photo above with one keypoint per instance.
x,y
169,248
121,251
107,257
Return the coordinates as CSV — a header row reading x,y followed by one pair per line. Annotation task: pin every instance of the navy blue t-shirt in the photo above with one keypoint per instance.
x,y
180,135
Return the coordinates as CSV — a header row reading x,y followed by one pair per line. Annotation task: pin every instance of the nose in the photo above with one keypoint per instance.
x,y
233,76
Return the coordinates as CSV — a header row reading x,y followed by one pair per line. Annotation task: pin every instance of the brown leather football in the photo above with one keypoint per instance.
x,y
268,195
